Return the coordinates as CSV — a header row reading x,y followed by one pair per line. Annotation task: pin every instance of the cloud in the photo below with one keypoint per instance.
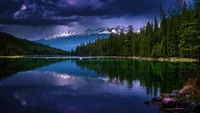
x,y
34,32
35,19
68,12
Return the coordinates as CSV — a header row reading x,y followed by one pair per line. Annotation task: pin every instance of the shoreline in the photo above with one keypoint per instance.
x,y
12,56
170,59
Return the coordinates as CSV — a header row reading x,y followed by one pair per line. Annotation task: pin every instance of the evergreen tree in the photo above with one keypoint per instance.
x,y
177,36
128,41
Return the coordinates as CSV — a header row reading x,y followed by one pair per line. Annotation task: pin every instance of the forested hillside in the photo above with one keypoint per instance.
x,y
11,45
177,35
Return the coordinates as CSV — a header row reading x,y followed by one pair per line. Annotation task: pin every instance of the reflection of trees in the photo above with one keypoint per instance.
x,y
9,67
152,75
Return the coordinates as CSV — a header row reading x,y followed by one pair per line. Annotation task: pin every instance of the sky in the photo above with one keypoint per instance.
x,y
36,19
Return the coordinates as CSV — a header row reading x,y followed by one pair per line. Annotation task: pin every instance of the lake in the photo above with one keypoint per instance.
x,y
87,85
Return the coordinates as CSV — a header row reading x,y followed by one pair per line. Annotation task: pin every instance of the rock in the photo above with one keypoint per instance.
x,y
147,103
157,98
165,95
187,96
173,95
173,110
168,102
196,108
175,91
184,104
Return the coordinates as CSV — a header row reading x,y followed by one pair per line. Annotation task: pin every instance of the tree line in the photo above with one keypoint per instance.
x,y
177,35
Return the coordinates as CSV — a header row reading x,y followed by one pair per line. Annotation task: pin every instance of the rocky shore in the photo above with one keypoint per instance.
x,y
185,100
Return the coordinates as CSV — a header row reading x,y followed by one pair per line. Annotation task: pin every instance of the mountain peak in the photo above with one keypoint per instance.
x,y
101,30
63,35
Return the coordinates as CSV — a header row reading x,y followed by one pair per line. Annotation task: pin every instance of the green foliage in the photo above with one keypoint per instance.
x,y
177,36
10,45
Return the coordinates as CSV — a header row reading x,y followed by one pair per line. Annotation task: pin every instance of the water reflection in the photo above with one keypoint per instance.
x,y
87,85
152,75
8,67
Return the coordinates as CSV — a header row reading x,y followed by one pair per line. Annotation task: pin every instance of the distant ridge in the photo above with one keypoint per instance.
x,y
68,40
11,45
98,31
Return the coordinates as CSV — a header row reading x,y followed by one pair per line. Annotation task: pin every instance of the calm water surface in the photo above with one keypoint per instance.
x,y
87,85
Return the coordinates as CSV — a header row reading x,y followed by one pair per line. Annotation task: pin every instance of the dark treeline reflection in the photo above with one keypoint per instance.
x,y
8,67
152,75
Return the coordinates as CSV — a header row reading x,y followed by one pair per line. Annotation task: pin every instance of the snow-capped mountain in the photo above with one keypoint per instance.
x,y
70,39
115,30
118,29
63,35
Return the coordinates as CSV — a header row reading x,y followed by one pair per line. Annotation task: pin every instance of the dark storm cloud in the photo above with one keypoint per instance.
x,y
69,12
33,21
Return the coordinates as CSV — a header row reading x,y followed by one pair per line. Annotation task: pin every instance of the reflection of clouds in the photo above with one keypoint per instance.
x,y
22,101
85,85
62,90
64,76
29,78
97,84
76,81
72,2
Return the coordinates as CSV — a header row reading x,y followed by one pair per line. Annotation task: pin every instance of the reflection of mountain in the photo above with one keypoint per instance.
x,y
9,67
76,77
152,75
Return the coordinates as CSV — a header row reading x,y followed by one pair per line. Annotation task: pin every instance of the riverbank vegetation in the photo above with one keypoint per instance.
x,y
177,35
